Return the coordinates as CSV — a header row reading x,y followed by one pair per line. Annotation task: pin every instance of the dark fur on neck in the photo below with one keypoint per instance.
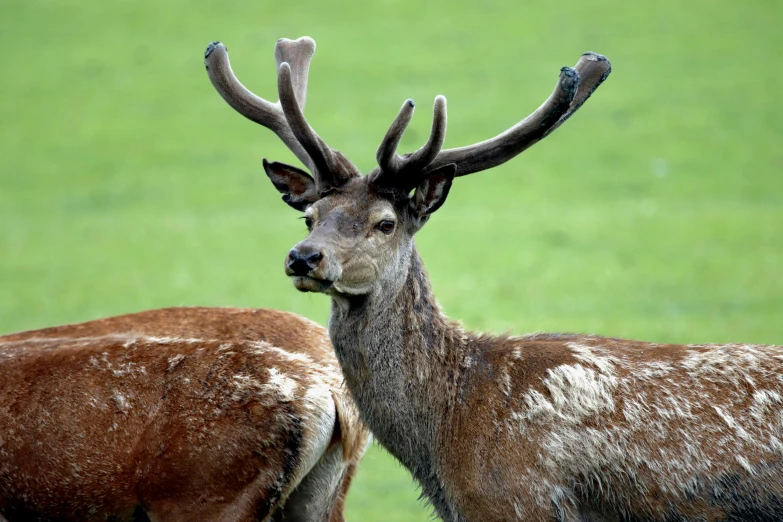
x,y
401,358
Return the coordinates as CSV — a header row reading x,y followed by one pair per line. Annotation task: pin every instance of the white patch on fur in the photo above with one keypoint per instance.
x,y
506,384
264,348
763,403
683,418
284,384
175,360
318,423
591,357
121,402
575,392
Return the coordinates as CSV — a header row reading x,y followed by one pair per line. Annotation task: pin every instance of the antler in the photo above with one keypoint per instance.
x,y
254,108
330,167
573,88
294,57
403,170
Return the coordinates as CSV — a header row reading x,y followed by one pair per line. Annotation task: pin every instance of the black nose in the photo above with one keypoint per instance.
x,y
301,263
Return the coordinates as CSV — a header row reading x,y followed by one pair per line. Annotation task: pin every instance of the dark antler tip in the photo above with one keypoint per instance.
x,y
211,47
569,72
599,62
410,102
596,57
569,80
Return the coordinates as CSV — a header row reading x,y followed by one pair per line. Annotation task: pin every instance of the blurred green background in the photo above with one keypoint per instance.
x,y
126,183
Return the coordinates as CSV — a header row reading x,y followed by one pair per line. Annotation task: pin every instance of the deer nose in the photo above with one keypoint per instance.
x,y
301,263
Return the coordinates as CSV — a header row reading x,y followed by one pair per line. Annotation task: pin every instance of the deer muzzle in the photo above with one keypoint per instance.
x,y
309,267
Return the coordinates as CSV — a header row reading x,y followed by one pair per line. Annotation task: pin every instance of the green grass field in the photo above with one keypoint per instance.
x,y
126,183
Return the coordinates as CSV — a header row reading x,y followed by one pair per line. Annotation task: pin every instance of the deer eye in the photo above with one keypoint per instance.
x,y
386,226
309,223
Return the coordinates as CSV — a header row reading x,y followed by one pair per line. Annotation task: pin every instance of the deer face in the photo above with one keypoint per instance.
x,y
360,234
361,227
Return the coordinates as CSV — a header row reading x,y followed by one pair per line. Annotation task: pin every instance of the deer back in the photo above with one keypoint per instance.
x,y
164,403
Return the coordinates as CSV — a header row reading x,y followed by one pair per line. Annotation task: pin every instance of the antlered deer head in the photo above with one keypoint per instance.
x,y
361,226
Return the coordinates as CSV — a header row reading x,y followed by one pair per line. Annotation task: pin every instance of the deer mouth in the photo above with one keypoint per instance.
x,y
311,284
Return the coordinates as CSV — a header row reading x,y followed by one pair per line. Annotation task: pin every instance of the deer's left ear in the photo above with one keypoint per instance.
x,y
296,185
431,193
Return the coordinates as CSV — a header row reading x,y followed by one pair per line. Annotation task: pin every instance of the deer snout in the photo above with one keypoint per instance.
x,y
302,260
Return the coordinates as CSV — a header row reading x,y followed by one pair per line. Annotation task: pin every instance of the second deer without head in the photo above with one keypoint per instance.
x,y
177,414
559,427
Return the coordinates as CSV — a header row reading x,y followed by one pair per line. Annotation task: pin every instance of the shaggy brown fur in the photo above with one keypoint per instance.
x,y
176,414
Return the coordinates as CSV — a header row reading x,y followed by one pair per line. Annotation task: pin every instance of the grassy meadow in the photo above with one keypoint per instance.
x,y
126,183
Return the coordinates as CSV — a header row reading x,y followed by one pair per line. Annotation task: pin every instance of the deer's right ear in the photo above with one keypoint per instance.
x,y
296,185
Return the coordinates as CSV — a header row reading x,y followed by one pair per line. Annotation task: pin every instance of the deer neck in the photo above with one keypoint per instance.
x,y
401,357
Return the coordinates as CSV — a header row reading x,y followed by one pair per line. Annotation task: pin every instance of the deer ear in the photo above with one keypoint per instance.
x,y
431,193
296,185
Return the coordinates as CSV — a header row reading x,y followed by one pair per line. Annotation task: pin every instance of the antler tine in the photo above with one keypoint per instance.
x,y
297,53
501,148
330,167
387,156
307,137
573,88
252,107
593,69
430,150
406,171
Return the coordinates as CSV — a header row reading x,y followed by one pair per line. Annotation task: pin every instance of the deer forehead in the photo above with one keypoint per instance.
x,y
360,209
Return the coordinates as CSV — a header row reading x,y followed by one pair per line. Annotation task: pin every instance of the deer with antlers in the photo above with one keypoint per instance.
x,y
179,414
560,427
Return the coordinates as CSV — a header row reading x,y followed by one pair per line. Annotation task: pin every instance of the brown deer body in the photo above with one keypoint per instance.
x,y
556,427
176,414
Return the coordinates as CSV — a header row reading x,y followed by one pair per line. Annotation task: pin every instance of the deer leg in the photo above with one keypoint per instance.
x,y
316,497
